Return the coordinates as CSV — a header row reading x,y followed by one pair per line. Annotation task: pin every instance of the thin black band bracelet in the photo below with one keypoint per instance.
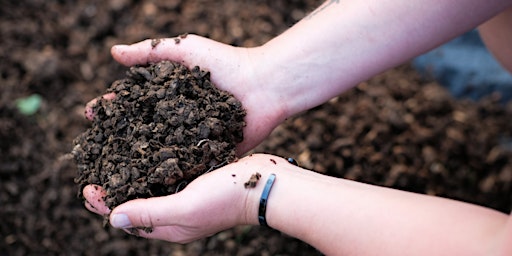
x,y
264,198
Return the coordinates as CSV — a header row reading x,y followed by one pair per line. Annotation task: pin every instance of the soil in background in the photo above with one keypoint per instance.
x,y
394,130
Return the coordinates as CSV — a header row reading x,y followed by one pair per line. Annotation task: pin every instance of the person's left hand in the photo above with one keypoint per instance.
x,y
237,70
213,202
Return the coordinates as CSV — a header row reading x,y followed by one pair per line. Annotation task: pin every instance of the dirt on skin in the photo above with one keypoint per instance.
x,y
166,126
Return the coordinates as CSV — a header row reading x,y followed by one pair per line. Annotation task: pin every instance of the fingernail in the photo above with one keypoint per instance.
x,y
120,220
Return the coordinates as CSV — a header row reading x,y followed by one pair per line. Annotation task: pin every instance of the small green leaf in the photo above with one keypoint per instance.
x,y
29,105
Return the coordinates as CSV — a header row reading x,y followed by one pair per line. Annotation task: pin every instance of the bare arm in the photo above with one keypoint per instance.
x,y
347,42
323,55
337,216
342,217
339,45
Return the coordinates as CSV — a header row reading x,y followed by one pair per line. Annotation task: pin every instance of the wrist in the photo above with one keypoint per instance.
x,y
260,97
265,166
252,172
301,76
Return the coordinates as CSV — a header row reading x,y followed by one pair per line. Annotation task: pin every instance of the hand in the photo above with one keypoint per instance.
x,y
213,202
232,69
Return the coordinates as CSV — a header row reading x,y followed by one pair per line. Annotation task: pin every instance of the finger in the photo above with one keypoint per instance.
x,y
91,208
175,235
94,195
89,113
184,50
151,212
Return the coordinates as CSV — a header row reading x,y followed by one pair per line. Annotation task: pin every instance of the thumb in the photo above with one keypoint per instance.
x,y
151,212
184,50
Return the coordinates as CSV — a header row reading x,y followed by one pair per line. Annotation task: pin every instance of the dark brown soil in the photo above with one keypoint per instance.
x,y
394,130
166,126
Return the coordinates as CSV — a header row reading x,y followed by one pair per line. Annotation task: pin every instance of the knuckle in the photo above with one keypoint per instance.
x,y
145,219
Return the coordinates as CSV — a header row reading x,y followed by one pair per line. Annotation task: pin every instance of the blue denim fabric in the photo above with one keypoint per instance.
x,y
466,68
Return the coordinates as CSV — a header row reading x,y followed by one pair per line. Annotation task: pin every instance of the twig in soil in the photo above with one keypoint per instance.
x,y
215,167
201,142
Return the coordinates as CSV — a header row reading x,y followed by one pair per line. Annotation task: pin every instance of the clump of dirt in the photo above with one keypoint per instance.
x,y
166,126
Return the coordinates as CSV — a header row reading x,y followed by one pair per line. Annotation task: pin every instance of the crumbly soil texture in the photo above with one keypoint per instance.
x,y
166,126
394,130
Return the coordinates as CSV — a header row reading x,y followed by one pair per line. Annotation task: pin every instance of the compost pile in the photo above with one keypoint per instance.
x,y
394,130
166,126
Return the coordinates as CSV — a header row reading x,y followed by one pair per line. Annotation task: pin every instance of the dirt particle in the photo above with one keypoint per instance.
x,y
147,229
183,36
251,183
273,161
155,42
176,40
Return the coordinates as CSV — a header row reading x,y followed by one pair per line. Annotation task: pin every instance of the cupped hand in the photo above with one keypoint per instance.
x,y
233,69
213,202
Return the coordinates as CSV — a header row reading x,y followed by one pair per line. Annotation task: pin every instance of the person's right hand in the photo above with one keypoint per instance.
x,y
233,69
213,202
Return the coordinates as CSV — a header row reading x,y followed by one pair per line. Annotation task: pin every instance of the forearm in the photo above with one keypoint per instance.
x,y
341,217
346,42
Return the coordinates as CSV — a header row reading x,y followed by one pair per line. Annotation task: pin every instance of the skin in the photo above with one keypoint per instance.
x,y
496,35
337,46
337,216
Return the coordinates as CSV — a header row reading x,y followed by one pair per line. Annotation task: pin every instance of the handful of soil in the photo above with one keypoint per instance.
x,y
166,126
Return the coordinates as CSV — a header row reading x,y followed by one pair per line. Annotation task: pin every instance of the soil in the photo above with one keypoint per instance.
x,y
394,130
165,127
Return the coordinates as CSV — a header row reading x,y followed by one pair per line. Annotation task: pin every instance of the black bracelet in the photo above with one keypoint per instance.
x,y
264,198
292,161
